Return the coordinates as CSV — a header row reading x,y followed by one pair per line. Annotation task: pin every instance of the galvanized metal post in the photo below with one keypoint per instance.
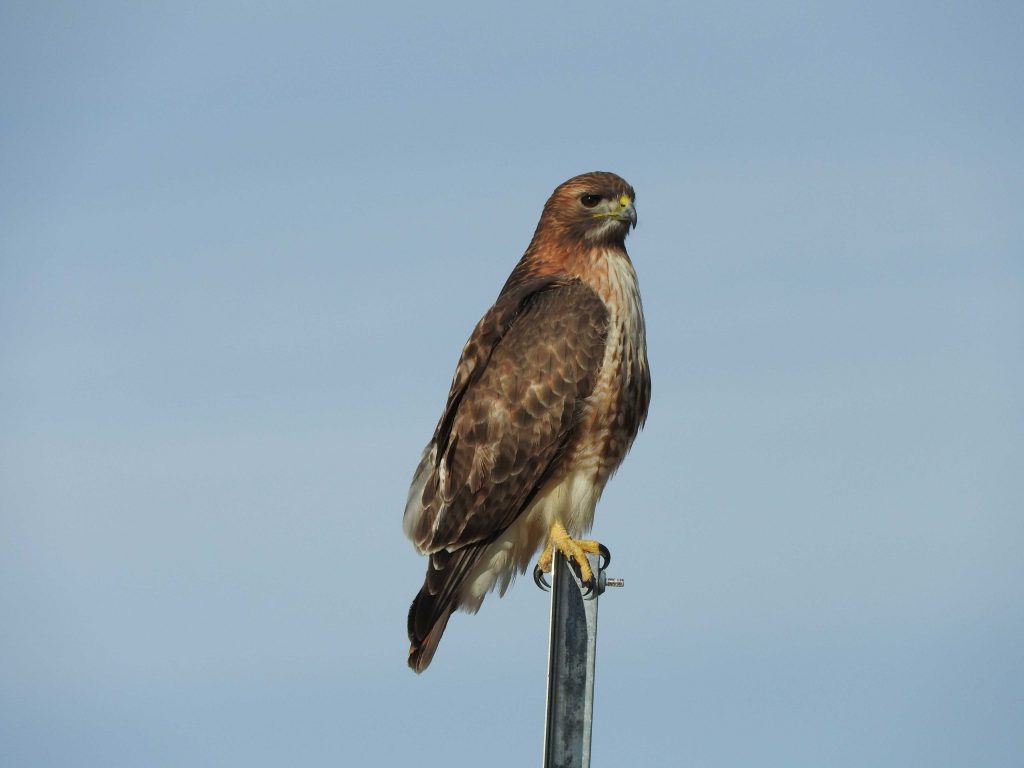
x,y
571,655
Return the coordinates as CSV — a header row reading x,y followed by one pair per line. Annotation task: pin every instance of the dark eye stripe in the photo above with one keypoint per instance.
x,y
589,201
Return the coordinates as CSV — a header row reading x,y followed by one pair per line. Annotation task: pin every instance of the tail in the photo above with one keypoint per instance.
x,y
422,646
437,600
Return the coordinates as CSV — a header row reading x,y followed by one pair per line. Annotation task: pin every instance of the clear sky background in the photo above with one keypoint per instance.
x,y
243,243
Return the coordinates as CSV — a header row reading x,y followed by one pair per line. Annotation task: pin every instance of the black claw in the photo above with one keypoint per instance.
x,y
606,555
589,586
539,579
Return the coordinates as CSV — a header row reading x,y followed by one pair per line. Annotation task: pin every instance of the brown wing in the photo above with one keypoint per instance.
x,y
517,395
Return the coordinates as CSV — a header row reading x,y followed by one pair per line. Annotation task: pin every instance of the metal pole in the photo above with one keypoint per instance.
x,y
571,655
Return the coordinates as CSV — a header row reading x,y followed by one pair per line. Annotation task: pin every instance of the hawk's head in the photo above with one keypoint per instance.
x,y
596,207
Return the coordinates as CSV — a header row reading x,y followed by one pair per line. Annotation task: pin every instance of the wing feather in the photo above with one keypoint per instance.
x,y
518,393
524,374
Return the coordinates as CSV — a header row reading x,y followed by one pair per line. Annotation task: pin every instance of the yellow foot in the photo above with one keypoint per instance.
x,y
576,550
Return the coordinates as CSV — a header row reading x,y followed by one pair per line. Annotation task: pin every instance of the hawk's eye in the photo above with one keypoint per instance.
x,y
589,201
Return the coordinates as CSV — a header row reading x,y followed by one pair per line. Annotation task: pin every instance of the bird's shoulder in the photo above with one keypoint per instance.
x,y
536,308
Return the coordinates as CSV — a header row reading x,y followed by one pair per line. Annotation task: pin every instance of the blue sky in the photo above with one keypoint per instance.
x,y
242,244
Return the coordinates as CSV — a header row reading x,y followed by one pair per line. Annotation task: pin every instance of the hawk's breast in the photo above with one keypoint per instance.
x,y
618,405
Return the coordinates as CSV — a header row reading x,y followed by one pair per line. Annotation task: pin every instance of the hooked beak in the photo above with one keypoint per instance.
x,y
628,212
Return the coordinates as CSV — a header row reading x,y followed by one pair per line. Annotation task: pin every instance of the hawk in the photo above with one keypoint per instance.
x,y
547,397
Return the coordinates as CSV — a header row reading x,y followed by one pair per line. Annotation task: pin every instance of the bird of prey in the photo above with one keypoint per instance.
x,y
547,397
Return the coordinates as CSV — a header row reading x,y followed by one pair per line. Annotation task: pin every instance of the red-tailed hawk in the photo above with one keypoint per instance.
x,y
547,397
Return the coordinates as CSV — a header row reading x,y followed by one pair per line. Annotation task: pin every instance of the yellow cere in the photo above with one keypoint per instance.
x,y
625,200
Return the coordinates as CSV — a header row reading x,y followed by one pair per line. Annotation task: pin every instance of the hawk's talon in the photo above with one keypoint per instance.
x,y
575,551
589,587
539,580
